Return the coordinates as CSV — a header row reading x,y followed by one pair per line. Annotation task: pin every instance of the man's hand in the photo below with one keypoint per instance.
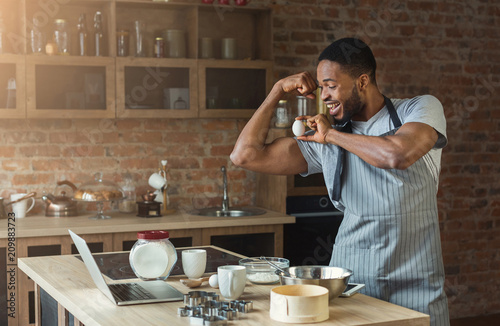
x,y
303,83
320,124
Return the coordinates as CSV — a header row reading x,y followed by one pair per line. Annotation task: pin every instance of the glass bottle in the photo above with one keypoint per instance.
x,y
11,94
36,38
283,115
82,36
153,256
2,35
128,204
61,36
180,104
139,30
122,43
98,35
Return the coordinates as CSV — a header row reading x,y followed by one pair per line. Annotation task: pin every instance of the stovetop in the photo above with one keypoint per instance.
x,y
116,266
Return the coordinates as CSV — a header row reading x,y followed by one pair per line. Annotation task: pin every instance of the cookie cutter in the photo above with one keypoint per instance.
x,y
210,308
195,298
241,305
208,320
229,313
188,311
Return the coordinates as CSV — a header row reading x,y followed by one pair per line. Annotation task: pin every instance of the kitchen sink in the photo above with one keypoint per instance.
x,y
231,212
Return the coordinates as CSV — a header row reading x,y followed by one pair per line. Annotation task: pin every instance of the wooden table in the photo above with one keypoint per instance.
x,y
67,280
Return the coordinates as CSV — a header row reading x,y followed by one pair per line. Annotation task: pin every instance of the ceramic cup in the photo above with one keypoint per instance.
x,y
21,208
232,281
157,181
194,262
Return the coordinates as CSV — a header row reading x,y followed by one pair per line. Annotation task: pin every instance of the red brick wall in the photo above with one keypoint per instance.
x,y
449,49
445,48
35,154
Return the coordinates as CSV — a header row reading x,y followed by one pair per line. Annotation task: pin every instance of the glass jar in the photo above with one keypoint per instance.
x,y
153,256
159,49
61,36
122,43
283,115
128,204
36,38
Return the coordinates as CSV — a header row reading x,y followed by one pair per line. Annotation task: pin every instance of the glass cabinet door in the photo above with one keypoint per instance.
x,y
151,87
70,87
12,91
230,90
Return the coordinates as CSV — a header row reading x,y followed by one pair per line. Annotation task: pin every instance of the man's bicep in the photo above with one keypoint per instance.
x,y
415,138
282,156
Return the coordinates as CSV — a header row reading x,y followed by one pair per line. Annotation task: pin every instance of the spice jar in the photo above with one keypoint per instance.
x,y
159,49
153,256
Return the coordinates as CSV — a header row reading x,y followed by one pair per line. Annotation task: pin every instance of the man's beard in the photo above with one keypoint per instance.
x,y
350,107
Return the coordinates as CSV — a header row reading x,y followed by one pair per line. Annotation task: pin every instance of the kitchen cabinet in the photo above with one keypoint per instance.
x,y
124,85
12,74
43,236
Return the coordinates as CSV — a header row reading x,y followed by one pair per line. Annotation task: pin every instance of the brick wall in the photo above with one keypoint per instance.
x,y
446,48
35,154
449,49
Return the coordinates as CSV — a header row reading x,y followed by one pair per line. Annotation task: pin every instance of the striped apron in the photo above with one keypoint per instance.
x,y
390,235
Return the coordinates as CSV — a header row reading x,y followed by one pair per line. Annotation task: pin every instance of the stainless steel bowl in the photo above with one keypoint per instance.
x,y
335,279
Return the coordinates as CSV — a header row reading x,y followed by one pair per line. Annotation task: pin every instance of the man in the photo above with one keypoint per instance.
x,y
381,164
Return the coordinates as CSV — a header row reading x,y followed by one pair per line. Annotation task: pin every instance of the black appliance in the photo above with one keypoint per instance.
x,y
310,240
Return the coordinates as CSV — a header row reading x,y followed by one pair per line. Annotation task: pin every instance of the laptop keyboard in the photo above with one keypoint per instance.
x,y
129,292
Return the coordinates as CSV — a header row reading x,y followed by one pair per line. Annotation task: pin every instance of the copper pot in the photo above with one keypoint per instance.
x,y
60,205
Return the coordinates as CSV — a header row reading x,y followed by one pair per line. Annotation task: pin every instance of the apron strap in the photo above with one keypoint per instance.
x,y
392,112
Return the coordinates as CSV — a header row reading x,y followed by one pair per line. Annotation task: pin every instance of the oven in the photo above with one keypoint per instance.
x,y
310,240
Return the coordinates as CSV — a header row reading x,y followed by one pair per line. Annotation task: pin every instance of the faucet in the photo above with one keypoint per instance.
x,y
225,198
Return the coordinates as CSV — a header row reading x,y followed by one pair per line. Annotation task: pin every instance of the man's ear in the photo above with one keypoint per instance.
x,y
363,81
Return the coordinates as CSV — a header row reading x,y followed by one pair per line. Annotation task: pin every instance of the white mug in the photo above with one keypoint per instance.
x,y
232,281
21,208
157,181
194,262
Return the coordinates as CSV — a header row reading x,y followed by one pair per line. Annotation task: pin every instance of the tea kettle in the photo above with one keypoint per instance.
x,y
60,205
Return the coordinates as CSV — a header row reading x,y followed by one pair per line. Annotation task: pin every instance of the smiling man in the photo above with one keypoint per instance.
x,y
381,164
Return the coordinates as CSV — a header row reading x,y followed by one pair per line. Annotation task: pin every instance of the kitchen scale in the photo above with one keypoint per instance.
x,y
116,266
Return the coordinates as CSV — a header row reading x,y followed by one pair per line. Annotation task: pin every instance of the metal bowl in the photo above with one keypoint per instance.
x,y
335,279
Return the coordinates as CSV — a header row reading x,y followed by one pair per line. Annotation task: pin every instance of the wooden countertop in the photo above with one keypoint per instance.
x,y
67,280
38,226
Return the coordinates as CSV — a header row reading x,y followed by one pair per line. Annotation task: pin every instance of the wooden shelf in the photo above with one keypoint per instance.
x,y
250,26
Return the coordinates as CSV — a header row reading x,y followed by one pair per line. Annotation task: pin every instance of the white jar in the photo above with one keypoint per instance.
x,y
153,256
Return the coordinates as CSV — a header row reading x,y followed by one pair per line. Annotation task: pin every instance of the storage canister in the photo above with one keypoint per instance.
x,y
153,256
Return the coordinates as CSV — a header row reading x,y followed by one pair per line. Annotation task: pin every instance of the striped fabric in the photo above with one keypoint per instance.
x,y
390,235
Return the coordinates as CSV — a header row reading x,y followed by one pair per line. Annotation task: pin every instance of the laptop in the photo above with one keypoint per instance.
x,y
125,293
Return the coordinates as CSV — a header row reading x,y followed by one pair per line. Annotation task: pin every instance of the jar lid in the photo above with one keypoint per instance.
x,y
152,235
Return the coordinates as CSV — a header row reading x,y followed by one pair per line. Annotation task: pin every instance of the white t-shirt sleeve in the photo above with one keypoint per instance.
x,y
429,110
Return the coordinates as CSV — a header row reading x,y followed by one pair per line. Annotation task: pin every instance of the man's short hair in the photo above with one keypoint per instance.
x,y
353,55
